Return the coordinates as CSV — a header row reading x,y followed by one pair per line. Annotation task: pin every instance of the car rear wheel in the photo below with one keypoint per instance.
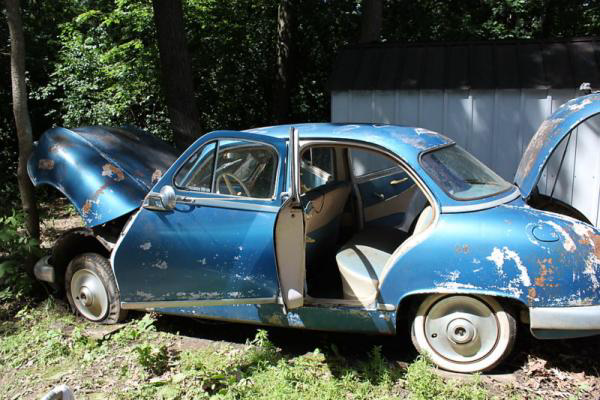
x,y
463,333
92,289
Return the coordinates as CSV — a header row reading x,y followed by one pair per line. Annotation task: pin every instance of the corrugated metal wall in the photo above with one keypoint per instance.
x,y
495,126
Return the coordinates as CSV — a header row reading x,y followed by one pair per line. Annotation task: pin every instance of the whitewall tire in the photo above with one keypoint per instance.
x,y
463,333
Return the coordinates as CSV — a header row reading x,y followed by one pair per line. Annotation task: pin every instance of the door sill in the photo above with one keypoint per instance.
x,y
371,306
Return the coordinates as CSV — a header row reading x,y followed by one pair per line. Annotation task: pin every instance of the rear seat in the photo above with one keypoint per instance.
x,y
361,261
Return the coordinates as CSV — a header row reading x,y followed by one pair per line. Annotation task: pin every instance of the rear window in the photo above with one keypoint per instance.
x,y
461,175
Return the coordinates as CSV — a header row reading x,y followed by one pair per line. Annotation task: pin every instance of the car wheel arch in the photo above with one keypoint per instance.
x,y
69,245
408,303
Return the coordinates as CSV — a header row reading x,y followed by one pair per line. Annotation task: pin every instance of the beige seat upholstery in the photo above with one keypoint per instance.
x,y
323,218
425,219
362,259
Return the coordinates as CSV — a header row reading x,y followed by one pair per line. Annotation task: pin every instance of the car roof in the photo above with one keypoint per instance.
x,y
405,141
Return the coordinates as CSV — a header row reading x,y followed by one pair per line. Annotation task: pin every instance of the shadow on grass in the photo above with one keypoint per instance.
x,y
293,342
573,356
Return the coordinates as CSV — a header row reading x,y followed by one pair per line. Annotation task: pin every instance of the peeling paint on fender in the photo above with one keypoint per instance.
x,y
113,172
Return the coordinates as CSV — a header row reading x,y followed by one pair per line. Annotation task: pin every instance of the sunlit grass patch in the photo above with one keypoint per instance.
x,y
46,346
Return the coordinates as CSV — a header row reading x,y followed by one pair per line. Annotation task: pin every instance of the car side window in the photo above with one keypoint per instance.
x,y
366,162
196,173
246,169
317,168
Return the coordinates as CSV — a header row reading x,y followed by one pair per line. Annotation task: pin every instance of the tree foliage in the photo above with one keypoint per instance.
x,y
106,70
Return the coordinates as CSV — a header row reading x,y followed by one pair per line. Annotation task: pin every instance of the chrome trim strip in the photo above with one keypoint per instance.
x,y
150,305
221,203
583,318
386,307
378,174
122,235
481,206
226,204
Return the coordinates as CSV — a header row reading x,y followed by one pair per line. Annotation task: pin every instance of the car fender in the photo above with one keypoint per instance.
x,y
493,252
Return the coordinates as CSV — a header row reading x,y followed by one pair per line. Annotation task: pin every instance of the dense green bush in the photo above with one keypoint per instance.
x,y
16,249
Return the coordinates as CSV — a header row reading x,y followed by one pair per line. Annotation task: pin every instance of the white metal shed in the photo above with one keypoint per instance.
x,y
488,96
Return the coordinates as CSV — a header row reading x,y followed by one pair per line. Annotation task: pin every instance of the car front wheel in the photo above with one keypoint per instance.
x,y
463,333
92,289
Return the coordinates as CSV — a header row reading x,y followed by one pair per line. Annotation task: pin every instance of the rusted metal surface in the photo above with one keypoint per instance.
x,y
105,172
552,131
504,259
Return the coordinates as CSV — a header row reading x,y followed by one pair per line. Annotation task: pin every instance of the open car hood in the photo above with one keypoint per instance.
x,y
104,172
549,135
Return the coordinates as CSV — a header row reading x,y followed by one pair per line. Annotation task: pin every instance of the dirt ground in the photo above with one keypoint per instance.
x,y
556,369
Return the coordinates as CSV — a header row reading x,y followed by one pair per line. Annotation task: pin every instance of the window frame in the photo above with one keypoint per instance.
x,y
183,164
369,176
212,193
335,172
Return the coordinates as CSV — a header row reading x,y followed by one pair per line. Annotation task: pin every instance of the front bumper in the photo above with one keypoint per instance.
x,y
43,271
564,322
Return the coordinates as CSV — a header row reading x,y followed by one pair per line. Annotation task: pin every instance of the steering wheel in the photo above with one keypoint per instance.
x,y
226,176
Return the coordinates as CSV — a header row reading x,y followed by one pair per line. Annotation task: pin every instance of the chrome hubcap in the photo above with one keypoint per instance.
x,y
461,331
461,328
85,296
89,295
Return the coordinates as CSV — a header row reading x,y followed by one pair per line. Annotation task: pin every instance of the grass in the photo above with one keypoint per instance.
x,y
45,346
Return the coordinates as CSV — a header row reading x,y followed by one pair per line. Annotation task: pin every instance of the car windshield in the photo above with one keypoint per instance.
x,y
462,176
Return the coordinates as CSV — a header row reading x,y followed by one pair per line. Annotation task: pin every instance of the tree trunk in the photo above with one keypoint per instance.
x,y
176,71
370,21
547,18
21,113
281,88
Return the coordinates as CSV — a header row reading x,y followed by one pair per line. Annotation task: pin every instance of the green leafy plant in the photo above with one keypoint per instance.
x,y
154,359
16,249
136,329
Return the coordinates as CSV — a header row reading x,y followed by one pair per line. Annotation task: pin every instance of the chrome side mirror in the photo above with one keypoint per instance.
x,y
167,197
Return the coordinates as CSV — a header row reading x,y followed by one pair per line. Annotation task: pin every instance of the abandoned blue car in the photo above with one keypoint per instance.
x,y
354,228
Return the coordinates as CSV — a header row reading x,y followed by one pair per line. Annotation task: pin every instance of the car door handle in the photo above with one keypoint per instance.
x,y
398,181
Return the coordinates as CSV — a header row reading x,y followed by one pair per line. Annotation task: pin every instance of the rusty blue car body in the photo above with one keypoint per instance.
x,y
215,255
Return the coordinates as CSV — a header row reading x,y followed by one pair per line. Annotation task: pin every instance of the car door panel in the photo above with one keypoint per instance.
x,y
210,248
197,252
386,197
